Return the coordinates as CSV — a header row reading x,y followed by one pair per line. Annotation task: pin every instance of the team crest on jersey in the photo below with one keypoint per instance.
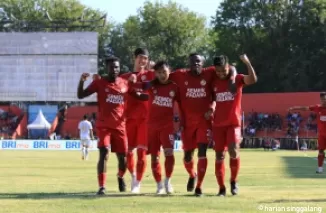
x,y
203,82
106,90
143,77
186,82
172,93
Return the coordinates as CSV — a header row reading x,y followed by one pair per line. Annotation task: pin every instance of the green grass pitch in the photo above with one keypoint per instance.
x,y
60,182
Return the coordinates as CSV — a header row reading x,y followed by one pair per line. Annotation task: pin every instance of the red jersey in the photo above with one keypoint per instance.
x,y
161,100
321,118
228,106
111,97
195,94
135,108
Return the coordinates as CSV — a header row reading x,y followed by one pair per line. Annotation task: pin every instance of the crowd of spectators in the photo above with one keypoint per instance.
x,y
258,121
8,123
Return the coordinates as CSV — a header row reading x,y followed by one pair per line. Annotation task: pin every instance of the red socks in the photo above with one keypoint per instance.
x,y
101,179
169,165
321,157
131,162
234,166
190,168
201,170
141,164
220,173
156,170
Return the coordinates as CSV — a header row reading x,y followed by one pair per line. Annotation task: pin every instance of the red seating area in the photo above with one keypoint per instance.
x,y
303,132
13,122
74,116
264,102
280,103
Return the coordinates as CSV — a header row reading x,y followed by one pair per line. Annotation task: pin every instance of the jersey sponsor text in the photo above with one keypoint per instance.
x,y
224,96
163,101
115,99
196,93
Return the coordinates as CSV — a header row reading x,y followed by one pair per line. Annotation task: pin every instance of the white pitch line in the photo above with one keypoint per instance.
x,y
305,154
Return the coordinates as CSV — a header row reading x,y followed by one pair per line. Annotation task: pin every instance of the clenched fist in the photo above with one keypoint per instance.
x,y
245,59
132,78
84,76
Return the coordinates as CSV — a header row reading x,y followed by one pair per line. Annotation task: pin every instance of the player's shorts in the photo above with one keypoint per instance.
x,y
321,142
223,136
137,133
192,135
112,138
160,137
85,142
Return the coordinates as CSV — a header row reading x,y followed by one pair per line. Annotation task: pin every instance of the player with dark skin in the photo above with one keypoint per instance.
x,y
113,71
196,66
196,101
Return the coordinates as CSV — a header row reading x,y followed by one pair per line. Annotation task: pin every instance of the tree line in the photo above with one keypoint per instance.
x,y
285,39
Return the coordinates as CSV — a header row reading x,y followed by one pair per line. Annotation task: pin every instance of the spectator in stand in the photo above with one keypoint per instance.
x,y
294,120
304,146
263,121
311,122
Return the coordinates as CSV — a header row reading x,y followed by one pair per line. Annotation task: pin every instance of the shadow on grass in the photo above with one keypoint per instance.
x,y
301,167
61,195
296,201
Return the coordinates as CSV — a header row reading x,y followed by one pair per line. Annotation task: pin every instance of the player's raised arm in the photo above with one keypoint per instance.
x,y
81,92
251,78
299,108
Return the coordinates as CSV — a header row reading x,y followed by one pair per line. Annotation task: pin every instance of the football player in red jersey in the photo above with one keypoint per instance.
x,y
196,102
163,94
320,111
227,119
111,92
136,124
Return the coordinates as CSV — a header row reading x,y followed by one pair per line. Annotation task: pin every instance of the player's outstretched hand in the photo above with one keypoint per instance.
x,y
244,58
84,76
132,78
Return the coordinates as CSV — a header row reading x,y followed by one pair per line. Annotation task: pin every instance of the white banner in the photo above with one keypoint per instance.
x,y
54,145
44,144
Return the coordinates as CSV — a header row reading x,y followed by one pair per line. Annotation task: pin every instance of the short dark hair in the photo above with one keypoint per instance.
x,y
322,94
85,117
193,54
111,59
221,60
141,51
160,64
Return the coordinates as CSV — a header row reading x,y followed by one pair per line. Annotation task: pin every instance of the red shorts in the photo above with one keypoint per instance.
x,y
137,133
114,138
160,137
321,142
191,136
223,136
